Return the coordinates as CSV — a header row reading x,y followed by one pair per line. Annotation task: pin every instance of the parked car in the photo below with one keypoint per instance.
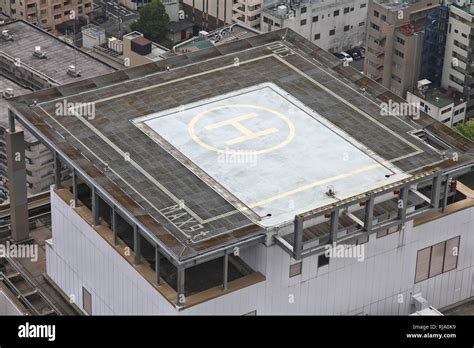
x,y
343,56
347,57
354,53
361,50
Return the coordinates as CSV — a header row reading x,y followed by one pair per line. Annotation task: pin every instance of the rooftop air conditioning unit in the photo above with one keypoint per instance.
x,y
8,93
38,53
203,34
71,71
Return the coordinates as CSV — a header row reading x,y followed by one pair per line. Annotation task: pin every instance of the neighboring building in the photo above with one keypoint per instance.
x,y
179,31
23,69
395,36
200,188
138,50
458,59
432,59
334,25
448,107
209,14
47,13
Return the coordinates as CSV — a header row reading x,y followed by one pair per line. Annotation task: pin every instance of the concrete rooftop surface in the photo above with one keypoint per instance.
x,y
310,121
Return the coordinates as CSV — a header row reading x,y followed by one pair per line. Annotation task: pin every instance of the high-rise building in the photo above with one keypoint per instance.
x,y
395,36
458,59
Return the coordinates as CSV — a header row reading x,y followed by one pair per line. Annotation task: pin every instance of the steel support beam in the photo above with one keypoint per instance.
x,y
157,265
180,297
226,272
114,226
74,188
402,204
57,170
446,193
136,245
95,207
435,191
369,213
334,226
298,242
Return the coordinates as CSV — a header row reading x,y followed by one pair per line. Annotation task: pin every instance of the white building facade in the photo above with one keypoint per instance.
x,y
334,26
383,283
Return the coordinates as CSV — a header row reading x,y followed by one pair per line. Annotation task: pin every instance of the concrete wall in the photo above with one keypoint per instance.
x,y
80,257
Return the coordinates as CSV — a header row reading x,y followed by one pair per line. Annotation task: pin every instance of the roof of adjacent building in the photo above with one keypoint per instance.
x,y
161,178
60,55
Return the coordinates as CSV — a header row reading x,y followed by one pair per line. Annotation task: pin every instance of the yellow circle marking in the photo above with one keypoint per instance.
x,y
195,137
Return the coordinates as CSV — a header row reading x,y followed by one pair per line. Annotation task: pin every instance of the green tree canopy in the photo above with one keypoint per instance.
x,y
153,21
466,129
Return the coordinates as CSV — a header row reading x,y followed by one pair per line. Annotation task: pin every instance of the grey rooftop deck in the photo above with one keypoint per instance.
x,y
188,211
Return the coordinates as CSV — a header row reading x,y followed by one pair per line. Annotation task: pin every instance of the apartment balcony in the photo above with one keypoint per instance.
x,y
237,8
237,17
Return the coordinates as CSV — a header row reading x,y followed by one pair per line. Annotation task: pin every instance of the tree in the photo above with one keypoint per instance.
x,y
466,129
153,21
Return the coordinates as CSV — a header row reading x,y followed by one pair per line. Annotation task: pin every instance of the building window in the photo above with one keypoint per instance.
x,y
437,259
315,19
352,9
267,20
336,13
303,10
361,24
396,78
374,26
398,53
323,260
332,32
363,5
86,301
400,40
295,269
317,36
383,17
376,14
303,22
346,28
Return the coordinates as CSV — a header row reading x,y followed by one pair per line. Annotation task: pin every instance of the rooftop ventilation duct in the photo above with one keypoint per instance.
x,y
38,53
